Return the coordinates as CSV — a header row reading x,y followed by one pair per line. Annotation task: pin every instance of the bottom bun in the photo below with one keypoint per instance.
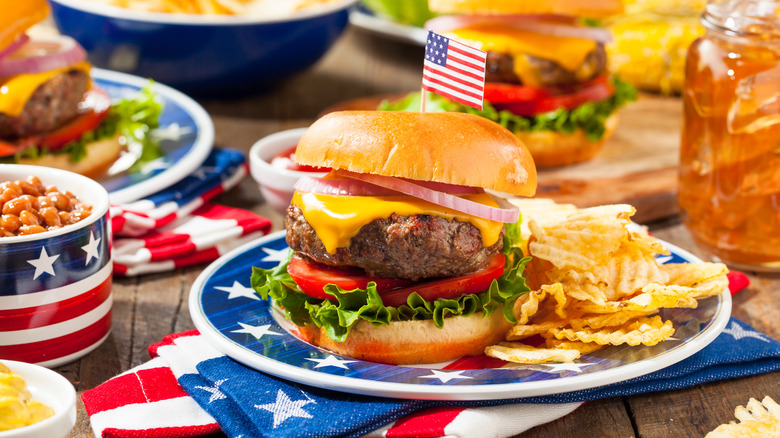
x,y
551,149
415,342
100,156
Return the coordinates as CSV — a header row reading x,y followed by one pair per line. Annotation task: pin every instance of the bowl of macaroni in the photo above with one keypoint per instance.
x,y
205,47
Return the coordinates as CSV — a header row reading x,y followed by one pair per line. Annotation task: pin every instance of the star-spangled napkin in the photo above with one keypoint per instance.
x,y
190,389
178,226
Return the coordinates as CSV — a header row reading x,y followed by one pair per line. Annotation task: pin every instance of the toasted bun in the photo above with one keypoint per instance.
x,y
414,342
100,156
452,148
18,16
552,149
578,8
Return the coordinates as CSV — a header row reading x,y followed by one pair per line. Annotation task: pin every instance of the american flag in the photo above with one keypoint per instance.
x,y
454,70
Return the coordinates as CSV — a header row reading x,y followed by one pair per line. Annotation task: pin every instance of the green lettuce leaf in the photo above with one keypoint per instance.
x,y
353,305
412,12
589,117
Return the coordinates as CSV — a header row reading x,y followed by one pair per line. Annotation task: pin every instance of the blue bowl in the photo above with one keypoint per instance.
x,y
204,55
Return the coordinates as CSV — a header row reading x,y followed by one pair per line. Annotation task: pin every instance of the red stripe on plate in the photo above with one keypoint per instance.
x,y
48,314
475,363
56,348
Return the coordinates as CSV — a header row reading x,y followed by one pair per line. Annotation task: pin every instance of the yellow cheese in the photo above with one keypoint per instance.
x,y
336,219
16,90
567,52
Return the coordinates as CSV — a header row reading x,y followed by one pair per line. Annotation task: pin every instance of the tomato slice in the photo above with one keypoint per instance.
x,y
450,287
311,278
522,101
7,149
97,103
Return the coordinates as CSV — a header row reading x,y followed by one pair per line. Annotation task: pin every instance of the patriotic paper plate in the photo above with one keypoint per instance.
x,y
228,313
186,137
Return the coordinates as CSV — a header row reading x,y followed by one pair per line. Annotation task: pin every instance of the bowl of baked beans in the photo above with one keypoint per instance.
x,y
55,265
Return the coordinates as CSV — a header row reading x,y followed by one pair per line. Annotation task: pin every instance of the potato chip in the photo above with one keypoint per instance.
x,y
701,280
528,304
582,347
543,211
653,297
521,353
756,420
646,243
644,331
522,331
606,320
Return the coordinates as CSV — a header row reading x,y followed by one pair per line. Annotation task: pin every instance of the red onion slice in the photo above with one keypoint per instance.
x,y
340,187
546,25
43,54
14,46
447,200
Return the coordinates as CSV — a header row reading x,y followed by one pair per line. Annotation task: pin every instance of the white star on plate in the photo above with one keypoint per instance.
x,y
274,255
738,333
91,248
44,263
445,376
330,361
172,132
256,331
284,408
216,393
558,367
238,290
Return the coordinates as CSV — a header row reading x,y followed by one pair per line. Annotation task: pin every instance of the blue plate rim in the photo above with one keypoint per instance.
x,y
457,392
200,149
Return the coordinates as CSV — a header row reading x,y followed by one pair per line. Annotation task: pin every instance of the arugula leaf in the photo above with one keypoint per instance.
x,y
589,117
352,306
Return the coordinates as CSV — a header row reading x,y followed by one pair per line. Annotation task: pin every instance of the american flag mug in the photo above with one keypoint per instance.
x,y
55,286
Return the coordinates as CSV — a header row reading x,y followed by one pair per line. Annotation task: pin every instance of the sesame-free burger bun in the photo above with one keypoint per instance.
x,y
453,148
577,8
100,156
415,342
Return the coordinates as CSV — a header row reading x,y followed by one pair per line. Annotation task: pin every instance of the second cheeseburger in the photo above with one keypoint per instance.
x,y
399,255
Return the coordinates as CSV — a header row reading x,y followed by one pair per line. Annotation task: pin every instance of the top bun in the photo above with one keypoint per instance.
x,y
18,16
578,8
453,148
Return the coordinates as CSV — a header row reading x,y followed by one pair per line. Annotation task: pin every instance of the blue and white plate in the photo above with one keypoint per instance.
x,y
236,322
186,132
363,18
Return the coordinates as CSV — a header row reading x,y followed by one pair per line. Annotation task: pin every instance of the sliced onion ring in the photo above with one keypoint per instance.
x,y
447,200
19,42
43,54
544,24
340,187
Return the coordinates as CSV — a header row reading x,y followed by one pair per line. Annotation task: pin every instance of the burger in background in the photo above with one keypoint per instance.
x,y
399,255
547,77
50,112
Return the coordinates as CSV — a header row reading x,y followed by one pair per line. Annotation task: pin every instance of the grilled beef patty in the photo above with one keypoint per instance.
x,y
500,68
414,247
53,103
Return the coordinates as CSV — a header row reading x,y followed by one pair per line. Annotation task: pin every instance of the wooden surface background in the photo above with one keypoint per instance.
x,y
149,307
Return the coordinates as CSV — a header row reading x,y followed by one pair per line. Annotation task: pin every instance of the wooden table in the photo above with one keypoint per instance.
x,y
147,308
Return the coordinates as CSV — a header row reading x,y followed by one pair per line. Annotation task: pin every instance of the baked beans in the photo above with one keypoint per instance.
x,y
29,207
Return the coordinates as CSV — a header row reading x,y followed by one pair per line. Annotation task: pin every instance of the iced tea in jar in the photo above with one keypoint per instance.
x,y
729,186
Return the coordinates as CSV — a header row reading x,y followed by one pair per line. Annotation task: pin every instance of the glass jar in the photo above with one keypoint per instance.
x,y
729,181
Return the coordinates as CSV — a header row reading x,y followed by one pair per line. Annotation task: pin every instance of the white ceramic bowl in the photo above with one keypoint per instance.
x,y
55,286
276,183
51,389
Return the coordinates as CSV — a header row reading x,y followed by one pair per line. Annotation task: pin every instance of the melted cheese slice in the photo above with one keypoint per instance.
x,y
336,219
567,52
16,90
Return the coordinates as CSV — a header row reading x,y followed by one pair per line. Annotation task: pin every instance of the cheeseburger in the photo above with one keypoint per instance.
x,y
50,112
546,73
399,255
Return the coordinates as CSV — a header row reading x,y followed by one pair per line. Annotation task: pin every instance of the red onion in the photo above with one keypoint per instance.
x,y
447,200
340,187
546,25
14,46
43,54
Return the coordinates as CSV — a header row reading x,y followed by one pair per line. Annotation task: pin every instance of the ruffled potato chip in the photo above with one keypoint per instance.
x,y
582,347
521,353
528,304
758,419
644,331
